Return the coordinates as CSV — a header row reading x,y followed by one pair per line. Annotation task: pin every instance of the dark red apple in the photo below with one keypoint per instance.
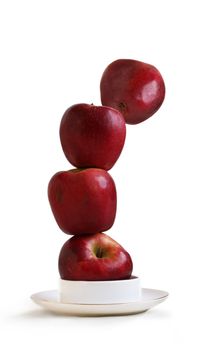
x,y
92,136
135,88
93,258
83,200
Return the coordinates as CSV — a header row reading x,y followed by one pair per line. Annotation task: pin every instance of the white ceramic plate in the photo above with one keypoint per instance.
x,y
50,301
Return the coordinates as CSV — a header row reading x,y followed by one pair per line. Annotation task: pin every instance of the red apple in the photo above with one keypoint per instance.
x,y
92,136
135,88
93,258
83,200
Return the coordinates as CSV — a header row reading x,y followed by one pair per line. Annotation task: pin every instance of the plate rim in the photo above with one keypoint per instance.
x,y
35,298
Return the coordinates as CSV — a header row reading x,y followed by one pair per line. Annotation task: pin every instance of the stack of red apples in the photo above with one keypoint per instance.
x,y
83,200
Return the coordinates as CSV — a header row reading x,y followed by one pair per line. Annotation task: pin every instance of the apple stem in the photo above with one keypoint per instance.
x,y
99,252
122,107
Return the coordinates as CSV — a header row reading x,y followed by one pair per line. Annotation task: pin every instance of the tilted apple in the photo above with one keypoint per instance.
x,y
83,200
135,88
93,258
92,136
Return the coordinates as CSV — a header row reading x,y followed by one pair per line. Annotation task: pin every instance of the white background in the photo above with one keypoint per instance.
x,y
52,55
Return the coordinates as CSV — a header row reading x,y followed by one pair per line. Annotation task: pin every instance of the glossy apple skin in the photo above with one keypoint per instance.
x,y
135,88
93,258
92,136
83,200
